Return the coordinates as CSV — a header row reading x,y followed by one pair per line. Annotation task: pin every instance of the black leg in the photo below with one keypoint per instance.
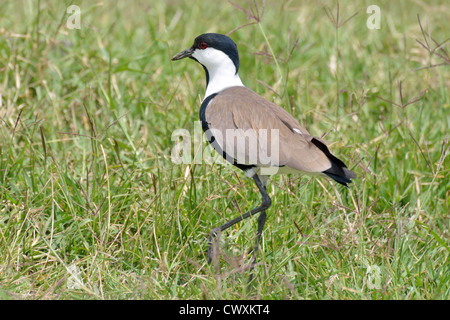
x,y
266,202
261,222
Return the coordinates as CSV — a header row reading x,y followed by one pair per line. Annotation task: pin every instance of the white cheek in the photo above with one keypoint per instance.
x,y
221,70
209,57
199,55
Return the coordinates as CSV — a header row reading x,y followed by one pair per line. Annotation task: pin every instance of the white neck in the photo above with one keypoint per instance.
x,y
220,80
221,70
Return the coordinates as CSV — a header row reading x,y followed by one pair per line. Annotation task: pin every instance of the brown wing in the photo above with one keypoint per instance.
x,y
255,131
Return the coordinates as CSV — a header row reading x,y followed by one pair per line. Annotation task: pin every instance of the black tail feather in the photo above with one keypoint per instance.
x,y
340,175
338,170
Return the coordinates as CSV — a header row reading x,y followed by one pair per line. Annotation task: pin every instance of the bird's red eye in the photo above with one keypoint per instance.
x,y
203,45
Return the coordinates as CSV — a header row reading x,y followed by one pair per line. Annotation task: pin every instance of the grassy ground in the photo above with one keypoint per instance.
x,y
91,205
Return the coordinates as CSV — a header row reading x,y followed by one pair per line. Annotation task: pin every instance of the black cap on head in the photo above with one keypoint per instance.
x,y
220,42
211,40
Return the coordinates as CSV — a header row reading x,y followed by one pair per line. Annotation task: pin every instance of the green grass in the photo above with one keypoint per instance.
x,y
87,185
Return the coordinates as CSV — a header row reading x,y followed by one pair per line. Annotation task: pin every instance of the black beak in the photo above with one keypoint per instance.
x,y
183,54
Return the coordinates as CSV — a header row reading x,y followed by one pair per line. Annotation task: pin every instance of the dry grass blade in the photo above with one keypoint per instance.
x,y
91,122
423,32
294,46
438,50
330,16
43,144
78,135
416,98
427,161
404,105
252,14
389,101
298,228
249,15
17,122
112,123
336,20
240,27
348,19
400,91
440,47
268,87
444,152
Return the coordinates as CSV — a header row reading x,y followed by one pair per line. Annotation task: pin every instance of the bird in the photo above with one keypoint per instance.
x,y
255,135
